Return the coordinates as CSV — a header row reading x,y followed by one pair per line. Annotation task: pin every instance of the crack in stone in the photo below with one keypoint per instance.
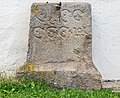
x,y
67,61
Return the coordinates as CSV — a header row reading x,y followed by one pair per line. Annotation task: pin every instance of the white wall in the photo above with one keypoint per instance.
x,y
14,30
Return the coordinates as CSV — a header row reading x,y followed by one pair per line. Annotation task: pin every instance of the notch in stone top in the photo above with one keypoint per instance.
x,y
58,6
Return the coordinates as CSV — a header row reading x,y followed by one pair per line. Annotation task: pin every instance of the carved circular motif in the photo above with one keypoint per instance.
x,y
65,15
55,21
77,14
42,14
64,32
51,32
38,32
80,32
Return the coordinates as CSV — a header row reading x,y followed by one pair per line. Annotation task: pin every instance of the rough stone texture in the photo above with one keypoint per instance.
x,y
60,43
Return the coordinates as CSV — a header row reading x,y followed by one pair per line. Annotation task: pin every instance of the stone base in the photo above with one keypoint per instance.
x,y
70,75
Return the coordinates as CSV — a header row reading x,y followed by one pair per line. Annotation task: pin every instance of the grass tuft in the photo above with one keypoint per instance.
x,y
29,88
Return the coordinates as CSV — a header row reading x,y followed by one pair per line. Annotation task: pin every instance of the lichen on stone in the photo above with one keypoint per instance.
x,y
26,67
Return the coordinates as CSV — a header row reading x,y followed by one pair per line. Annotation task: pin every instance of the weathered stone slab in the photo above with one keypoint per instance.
x,y
60,43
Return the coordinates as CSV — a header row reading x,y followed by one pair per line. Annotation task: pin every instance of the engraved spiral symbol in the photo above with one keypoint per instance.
x,y
51,32
42,14
80,32
77,14
38,32
64,15
64,32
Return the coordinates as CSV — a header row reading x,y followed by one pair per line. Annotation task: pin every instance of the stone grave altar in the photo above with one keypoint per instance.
x,y
60,45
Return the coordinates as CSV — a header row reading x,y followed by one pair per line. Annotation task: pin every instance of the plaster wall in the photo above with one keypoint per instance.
x,y
14,30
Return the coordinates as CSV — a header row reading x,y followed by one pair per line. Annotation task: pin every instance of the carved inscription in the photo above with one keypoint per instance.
x,y
43,15
77,14
51,32
65,14
38,32
64,32
55,19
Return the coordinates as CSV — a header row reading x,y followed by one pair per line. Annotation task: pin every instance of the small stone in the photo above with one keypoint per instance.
x,y
60,41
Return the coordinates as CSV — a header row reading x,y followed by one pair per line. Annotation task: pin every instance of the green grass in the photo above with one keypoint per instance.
x,y
40,89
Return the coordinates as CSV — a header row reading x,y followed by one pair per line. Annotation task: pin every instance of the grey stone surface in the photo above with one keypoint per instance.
x,y
60,43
